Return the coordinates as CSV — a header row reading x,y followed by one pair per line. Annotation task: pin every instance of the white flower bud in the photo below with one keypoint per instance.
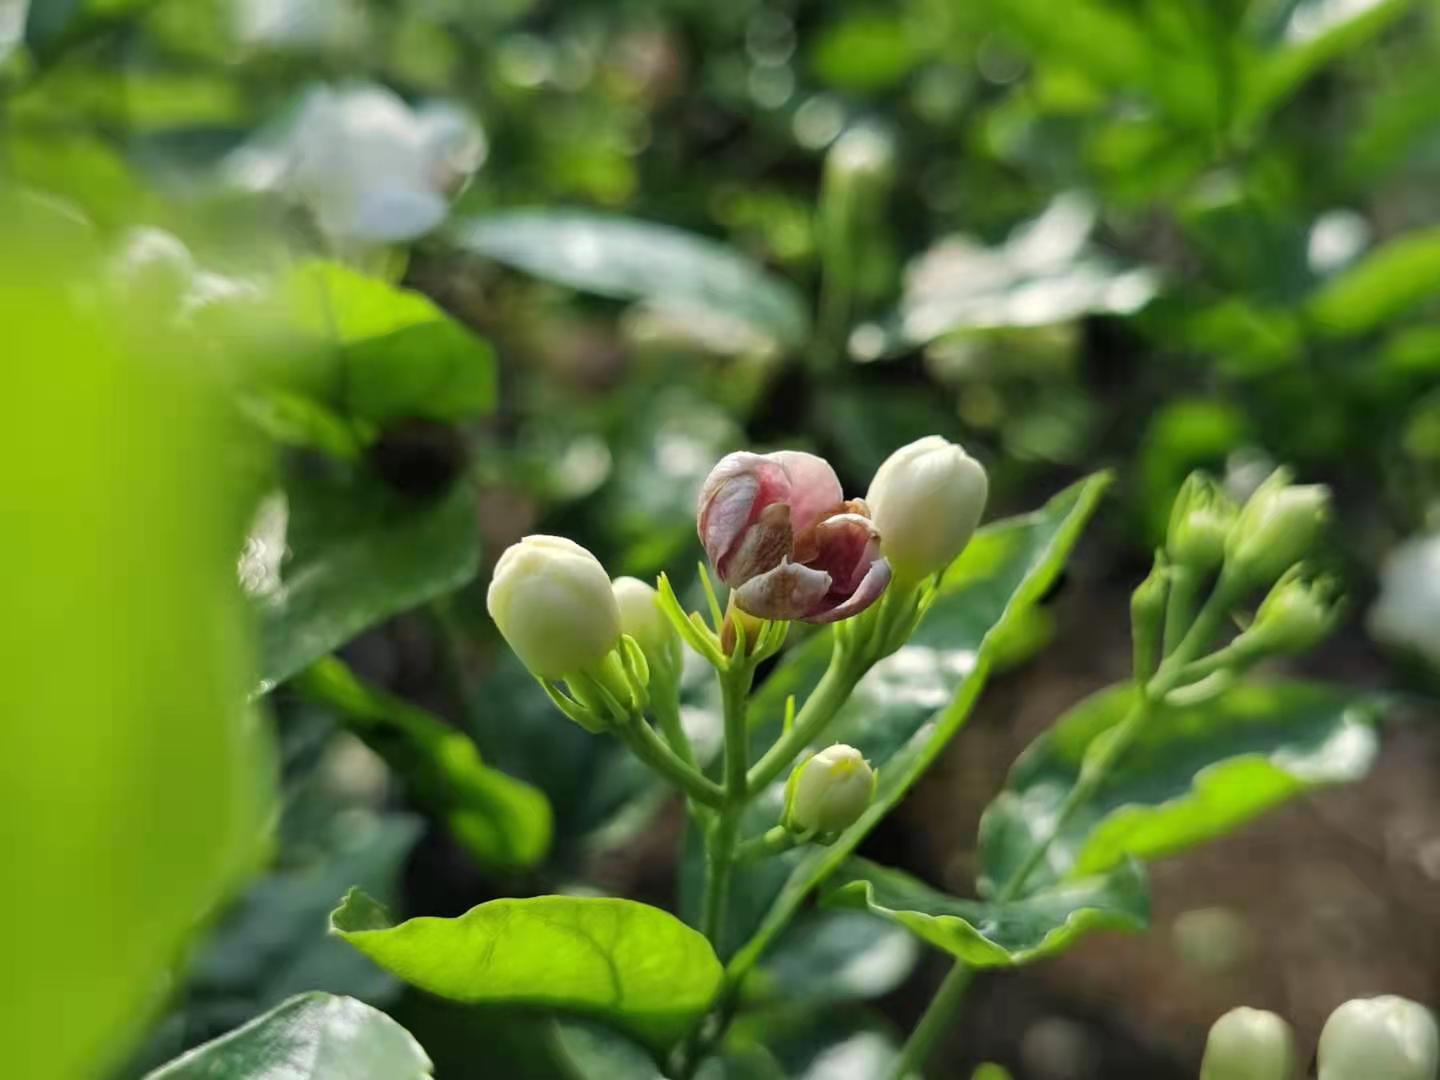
x,y
1379,1038
1407,612
642,619
1297,614
925,501
1249,1044
1277,528
828,791
553,602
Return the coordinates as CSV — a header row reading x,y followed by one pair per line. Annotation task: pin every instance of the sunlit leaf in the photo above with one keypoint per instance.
x,y
636,260
985,934
1195,772
626,963
502,821
310,1037
1392,279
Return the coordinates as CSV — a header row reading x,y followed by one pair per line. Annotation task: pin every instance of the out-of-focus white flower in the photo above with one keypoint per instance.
x,y
12,24
1407,613
298,24
367,165
1249,1044
155,268
1335,239
1379,1038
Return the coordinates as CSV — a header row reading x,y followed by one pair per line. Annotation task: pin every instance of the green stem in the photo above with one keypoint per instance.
x,y
657,754
937,1018
770,842
1180,608
819,709
666,707
721,837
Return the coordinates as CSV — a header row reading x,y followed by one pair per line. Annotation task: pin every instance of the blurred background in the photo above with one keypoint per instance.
x,y
459,272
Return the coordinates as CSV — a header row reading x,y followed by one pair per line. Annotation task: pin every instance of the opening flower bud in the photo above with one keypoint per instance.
x,y
779,532
553,603
642,619
1249,1044
1299,612
1379,1038
1277,528
1200,524
926,501
828,791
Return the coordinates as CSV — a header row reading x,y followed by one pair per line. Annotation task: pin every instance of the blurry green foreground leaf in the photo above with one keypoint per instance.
x,y
502,821
637,260
983,934
130,769
1194,773
626,963
310,1037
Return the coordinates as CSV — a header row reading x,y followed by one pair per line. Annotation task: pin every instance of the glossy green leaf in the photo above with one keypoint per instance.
x,y
1195,772
590,1051
357,553
502,821
807,1044
984,934
636,260
310,1037
904,713
830,956
1386,283
626,963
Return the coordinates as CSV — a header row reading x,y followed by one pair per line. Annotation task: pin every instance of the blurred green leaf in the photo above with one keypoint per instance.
x,y
620,961
368,554
1393,278
636,260
310,1037
502,821
830,956
984,934
865,51
808,1044
1318,33
1195,772
904,713
1184,434
131,772
589,1051
398,354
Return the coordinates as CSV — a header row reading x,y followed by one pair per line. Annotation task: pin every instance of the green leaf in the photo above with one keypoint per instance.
x,y
808,1044
636,260
502,821
358,554
1195,772
984,934
1319,32
830,956
904,713
399,354
1386,283
590,1051
310,1037
626,963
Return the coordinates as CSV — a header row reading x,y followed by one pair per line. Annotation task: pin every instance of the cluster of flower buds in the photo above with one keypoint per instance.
x,y
1263,544
827,793
1380,1038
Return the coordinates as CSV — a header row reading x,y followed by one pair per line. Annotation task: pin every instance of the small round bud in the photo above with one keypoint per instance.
x,y
1200,524
642,619
1297,614
1249,1044
553,603
1277,528
828,791
1147,618
1379,1038
926,501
